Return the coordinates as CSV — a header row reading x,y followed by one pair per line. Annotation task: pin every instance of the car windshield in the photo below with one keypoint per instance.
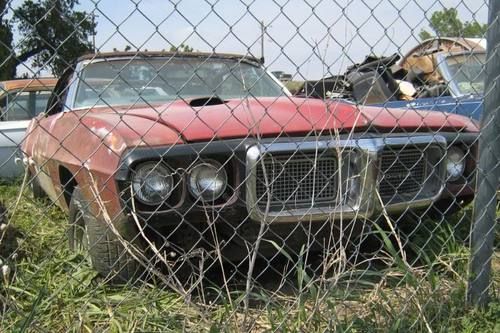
x,y
159,80
467,71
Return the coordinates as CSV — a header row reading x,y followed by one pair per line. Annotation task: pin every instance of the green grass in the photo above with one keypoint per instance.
x,y
52,289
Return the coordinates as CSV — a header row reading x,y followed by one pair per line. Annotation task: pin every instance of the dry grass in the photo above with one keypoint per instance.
x,y
50,289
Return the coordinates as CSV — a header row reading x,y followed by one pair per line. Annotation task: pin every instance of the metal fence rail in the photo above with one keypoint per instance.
x,y
260,166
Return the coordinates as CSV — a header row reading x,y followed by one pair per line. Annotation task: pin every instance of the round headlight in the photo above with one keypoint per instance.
x,y
207,180
455,163
152,183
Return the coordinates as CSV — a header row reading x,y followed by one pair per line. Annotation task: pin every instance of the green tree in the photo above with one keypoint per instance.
x,y
6,59
446,23
53,33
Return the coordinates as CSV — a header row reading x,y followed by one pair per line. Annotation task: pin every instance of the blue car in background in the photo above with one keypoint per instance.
x,y
470,106
440,74
454,68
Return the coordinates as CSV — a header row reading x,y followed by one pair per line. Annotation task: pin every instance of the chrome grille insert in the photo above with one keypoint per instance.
x,y
297,180
405,173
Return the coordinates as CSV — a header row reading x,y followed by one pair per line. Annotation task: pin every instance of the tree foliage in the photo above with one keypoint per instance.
x,y
6,60
446,23
55,33
181,48
52,33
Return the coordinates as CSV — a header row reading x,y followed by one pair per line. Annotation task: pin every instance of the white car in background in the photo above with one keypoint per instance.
x,y
20,100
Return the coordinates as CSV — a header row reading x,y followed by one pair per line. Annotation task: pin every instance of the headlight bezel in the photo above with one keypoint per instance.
x,y
461,160
155,166
214,165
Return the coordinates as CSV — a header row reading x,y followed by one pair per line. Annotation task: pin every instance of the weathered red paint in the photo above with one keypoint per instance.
x,y
89,143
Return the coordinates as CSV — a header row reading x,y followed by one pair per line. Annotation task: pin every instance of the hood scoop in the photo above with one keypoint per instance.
x,y
206,101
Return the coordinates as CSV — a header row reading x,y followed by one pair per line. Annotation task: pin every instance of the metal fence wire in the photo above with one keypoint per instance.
x,y
249,166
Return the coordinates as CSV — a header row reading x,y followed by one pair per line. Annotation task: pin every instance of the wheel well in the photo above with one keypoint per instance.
x,y
68,183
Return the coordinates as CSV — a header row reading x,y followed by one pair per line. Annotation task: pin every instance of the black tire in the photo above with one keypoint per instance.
x,y
448,207
38,192
440,210
107,254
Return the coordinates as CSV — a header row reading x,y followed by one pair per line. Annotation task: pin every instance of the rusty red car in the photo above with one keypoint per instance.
x,y
173,152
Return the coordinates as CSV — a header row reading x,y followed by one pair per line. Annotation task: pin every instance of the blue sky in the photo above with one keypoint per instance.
x,y
307,38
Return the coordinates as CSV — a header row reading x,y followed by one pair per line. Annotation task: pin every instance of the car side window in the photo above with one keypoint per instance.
x,y
24,105
42,97
18,106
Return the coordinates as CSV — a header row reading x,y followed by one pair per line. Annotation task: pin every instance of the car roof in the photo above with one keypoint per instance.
x,y
154,54
47,83
438,45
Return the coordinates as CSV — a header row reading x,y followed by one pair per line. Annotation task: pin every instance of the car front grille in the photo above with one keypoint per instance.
x,y
403,173
296,180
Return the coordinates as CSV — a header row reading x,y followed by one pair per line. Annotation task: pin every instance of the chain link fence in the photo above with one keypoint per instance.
x,y
260,166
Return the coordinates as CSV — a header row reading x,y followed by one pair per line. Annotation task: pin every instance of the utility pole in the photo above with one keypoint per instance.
x,y
94,31
262,35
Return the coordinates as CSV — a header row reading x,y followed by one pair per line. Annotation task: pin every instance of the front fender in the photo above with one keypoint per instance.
x,y
90,146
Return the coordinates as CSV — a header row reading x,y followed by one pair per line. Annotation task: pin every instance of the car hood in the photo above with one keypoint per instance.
x,y
287,116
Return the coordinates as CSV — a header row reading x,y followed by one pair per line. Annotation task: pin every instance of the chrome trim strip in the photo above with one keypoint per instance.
x,y
73,87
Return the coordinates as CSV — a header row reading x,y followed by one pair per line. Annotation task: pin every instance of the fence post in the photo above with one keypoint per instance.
x,y
483,230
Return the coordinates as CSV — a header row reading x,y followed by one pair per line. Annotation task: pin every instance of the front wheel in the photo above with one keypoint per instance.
x,y
107,252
